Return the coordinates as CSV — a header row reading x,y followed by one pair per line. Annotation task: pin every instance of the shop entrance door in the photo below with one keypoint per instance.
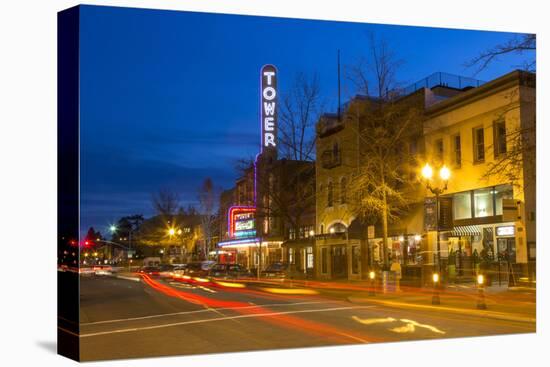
x,y
507,249
339,262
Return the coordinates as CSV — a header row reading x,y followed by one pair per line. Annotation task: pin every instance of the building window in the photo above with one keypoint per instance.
x,y
322,229
338,228
343,190
355,257
324,260
499,129
457,150
330,196
309,257
335,151
479,145
413,147
483,203
462,205
291,255
439,149
502,192
292,234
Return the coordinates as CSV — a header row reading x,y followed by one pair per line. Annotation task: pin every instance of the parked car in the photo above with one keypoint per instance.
x,y
166,270
151,261
276,270
229,271
149,270
178,269
198,268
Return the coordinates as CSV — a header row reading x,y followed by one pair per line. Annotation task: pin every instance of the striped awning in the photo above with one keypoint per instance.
x,y
466,231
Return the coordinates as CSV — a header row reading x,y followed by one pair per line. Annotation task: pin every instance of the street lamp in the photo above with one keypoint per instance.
x,y
444,175
171,232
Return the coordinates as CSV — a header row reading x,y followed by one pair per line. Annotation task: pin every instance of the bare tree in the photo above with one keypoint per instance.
x,y
382,188
379,68
520,140
517,164
299,111
525,44
165,202
208,196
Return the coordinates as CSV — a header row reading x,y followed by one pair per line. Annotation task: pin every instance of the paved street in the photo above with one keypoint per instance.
x,y
123,318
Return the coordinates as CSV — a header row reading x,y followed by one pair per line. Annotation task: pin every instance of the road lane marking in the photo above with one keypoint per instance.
x,y
408,328
196,311
373,321
267,314
410,325
425,326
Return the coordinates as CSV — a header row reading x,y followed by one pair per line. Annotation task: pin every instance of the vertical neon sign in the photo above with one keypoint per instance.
x,y
268,107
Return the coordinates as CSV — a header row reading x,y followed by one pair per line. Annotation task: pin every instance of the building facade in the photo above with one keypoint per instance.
x,y
337,146
486,136
278,227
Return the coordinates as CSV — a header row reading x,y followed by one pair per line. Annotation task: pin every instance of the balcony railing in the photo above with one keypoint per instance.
x,y
444,80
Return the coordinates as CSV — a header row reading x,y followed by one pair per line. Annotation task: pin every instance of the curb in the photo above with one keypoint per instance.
x,y
470,312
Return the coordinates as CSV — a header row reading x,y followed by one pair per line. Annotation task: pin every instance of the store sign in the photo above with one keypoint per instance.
x,y
506,231
430,215
242,222
269,106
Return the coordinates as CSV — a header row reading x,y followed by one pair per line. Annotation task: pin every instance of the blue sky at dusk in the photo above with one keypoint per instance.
x,y
169,98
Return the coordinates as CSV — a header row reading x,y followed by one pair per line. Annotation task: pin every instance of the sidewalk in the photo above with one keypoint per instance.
x,y
504,304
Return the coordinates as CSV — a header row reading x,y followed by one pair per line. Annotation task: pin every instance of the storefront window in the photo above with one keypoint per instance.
x,y
291,234
502,192
324,260
355,259
462,205
309,257
483,203
291,255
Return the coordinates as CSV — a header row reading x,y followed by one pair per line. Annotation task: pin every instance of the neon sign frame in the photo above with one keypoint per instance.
x,y
232,212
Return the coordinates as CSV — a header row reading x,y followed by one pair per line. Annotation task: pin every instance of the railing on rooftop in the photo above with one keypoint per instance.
x,y
442,79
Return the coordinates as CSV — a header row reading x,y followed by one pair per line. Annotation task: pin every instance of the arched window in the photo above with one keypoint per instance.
x,y
330,194
343,190
337,228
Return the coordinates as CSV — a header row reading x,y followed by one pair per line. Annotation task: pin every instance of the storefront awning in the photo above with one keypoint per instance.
x,y
465,231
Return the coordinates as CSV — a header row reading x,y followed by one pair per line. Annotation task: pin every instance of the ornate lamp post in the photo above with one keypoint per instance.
x,y
444,175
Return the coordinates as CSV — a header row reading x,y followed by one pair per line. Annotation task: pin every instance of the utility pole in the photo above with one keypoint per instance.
x,y
339,103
